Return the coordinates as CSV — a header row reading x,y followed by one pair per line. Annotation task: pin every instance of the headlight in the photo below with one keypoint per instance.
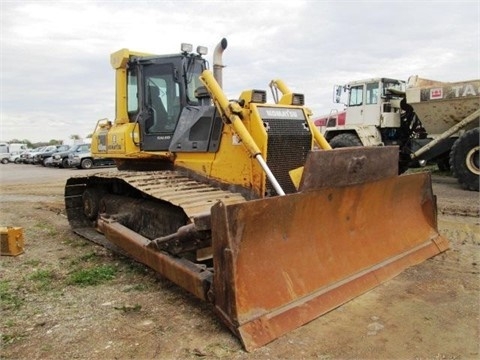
x,y
202,50
187,48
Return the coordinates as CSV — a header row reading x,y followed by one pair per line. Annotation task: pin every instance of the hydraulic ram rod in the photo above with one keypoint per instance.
x,y
230,110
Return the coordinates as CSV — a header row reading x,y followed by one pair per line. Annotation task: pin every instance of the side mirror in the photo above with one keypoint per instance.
x,y
337,90
201,92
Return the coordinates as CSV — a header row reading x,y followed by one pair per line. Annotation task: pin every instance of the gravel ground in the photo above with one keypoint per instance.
x,y
430,311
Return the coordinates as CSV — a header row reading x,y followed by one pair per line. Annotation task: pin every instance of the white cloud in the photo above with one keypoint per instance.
x,y
56,78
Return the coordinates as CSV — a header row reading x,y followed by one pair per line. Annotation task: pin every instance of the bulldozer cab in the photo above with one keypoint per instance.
x,y
162,100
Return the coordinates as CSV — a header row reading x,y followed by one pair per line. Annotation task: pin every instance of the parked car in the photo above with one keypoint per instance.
x,y
41,157
85,160
60,159
18,158
4,158
30,155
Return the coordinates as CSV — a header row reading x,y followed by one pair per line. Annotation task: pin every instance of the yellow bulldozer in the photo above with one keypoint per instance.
x,y
242,202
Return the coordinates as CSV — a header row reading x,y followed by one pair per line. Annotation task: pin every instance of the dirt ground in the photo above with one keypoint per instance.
x,y
430,311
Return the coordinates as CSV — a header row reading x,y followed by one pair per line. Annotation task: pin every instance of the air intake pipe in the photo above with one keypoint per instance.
x,y
217,61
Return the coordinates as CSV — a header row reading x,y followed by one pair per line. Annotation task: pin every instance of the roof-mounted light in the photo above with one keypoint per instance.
x,y
253,96
202,50
298,99
187,48
259,96
292,99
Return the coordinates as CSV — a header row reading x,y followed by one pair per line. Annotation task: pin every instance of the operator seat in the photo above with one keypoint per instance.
x,y
160,115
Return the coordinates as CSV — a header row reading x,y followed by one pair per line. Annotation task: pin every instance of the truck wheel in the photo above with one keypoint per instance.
x,y
86,163
464,160
4,161
65,163
345,140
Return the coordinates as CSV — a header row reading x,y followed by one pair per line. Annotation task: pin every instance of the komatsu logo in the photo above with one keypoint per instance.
x,y
279,113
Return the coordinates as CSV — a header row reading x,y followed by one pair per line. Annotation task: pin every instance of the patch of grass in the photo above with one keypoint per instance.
x,y
9,323
93,276
43,278
8,300
32,263
134,267
88,257
76,242
46,227
11,338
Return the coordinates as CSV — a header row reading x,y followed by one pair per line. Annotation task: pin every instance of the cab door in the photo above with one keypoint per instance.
x,y
355,106
161,106
371,109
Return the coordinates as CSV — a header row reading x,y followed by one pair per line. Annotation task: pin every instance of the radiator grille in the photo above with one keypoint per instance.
x,y
289,142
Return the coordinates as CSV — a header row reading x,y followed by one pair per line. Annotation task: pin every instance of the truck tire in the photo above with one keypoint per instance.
x,y
4,161
86,163
464,160
65,163
345,140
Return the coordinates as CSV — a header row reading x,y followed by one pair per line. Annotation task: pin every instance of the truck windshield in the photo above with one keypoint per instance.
x,y
395,85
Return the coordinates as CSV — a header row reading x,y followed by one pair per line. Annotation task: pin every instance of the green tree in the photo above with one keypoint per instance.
x,y
28,142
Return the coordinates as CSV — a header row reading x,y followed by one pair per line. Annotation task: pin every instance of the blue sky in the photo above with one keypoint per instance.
x,y
56,78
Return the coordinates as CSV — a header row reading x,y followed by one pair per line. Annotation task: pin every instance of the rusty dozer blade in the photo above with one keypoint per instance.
x,y
281,262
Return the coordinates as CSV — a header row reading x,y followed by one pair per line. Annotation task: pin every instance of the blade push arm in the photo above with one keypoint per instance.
x,y
230,113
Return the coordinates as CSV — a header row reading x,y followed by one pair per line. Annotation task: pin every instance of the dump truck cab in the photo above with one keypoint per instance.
x,y
372,112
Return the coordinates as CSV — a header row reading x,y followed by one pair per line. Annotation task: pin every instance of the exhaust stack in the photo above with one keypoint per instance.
x,y
217,61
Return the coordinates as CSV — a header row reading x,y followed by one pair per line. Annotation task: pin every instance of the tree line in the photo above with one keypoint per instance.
x,y
31,144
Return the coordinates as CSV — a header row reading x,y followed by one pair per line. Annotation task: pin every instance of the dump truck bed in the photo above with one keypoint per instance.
x,y
441,105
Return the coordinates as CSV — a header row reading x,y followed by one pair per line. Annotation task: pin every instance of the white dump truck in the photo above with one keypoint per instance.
x,y
429,121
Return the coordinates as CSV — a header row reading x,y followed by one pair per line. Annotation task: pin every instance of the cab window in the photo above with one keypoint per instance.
x,y
356,96
372,93
132,92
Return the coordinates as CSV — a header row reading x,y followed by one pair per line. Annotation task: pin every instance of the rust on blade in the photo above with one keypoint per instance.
x,y
282,262
357,164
